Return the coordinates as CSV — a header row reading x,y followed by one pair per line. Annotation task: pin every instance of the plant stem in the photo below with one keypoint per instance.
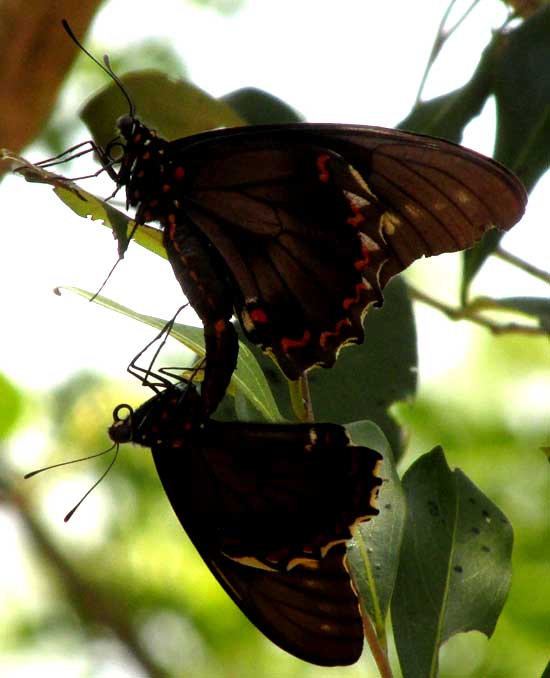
x,y
470,313
378,652
522,265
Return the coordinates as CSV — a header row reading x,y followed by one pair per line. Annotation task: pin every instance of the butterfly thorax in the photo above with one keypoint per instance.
x,y
170,418
145,172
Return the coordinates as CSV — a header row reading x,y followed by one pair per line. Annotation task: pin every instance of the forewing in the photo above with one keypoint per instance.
x,y
313,220
284,220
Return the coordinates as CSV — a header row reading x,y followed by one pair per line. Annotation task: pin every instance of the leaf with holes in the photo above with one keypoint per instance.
x,y
374,552
455,566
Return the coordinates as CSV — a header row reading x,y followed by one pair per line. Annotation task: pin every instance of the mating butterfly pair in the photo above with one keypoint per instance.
x,y
269,508
296,229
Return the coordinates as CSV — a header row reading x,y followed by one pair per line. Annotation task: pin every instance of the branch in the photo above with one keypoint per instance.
x,y
470,313
522,265
441,37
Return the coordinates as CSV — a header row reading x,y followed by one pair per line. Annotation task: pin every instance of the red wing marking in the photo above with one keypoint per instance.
x,y
324,174
258,315
325,336
287,343
359,288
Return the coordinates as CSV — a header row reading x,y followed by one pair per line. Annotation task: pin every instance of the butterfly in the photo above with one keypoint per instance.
x,y
297,228
269,508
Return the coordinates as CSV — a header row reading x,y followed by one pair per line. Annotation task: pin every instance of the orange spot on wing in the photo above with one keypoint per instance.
x,y
326,336
324,174
357,217
287,343
166,188
258,315
359,289
220,326
179,173
146,155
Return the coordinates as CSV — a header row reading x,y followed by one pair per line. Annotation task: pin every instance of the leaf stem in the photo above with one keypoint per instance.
x,y
378,652
522,265
470,313
441,37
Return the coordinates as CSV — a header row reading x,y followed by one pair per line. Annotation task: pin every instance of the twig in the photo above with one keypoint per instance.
x,y
523,265
470,313
378,653
441,37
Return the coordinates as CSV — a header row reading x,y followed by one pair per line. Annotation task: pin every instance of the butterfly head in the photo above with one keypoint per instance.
x,y
170,415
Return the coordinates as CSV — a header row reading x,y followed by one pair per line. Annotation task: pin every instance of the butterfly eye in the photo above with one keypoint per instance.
x,y
127,126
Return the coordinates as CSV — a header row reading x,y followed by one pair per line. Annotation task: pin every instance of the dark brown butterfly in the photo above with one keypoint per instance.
x,y
269,508
298,228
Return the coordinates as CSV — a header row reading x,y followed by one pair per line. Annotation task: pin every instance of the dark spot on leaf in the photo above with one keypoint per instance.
x,y
458,568
433,508
387,506
475,530
485,548
472,500
486,515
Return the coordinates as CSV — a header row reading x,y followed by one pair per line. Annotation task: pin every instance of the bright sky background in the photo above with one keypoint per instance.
x,y
351,61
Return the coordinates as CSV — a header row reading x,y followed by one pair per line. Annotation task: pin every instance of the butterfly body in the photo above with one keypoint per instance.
x,y
269,508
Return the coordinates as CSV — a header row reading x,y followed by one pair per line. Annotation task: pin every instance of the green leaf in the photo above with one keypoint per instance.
x,y
259,108
446,116
455,567
366,379
248,376
374,552
175,108
522,93
521,86
88,205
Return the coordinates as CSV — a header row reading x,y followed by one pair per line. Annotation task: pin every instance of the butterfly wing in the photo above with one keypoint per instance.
x,y
269,495
311,613
268,508
313,220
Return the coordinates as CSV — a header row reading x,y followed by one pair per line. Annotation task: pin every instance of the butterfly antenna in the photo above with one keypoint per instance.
x,y
120,256
96,294
92,488
66,463
106,67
